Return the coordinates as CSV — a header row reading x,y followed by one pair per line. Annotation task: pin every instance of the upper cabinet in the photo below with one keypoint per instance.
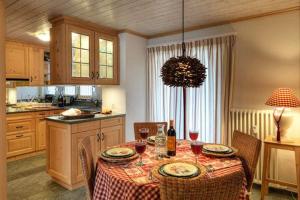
x,y
36,66
106,59
16,61
83,53
25,61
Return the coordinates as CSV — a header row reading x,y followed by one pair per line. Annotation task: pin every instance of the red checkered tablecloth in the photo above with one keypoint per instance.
x,y
115,181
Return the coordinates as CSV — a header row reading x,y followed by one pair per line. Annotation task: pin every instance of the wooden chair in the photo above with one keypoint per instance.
x,y
152,126
248,151
88,166
225,187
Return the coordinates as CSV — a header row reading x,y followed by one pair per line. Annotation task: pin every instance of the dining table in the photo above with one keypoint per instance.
x,y
131,182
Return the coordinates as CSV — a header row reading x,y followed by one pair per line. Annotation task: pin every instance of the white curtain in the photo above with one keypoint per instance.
x,y
208,105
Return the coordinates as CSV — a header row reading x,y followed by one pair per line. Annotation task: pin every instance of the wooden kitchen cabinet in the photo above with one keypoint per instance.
x,y
26,132
111,136
41,130
106,59
76,174
20,134
26,62
83,53
16,60
36,66
20,144
63,140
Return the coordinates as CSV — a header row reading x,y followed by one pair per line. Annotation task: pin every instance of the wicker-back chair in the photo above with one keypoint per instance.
x,y
88,166
248,151
225,187
152,126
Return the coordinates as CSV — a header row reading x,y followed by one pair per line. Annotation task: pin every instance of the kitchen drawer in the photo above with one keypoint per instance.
x,y
19,144
86,126
111,122
42,114
20,116
20,126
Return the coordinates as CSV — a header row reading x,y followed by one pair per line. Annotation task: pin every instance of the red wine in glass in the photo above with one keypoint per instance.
x,y
194,135
140,147
196,148
144,133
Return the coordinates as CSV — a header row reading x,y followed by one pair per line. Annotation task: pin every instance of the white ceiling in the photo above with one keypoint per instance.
x,y
147,17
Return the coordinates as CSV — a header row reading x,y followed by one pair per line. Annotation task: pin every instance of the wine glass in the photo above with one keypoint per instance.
x,y
194,135
196,147
140,148
144,132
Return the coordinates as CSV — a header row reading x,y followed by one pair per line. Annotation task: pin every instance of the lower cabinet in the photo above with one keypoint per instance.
x,y
26,132
63,142
77,175
111,136
40,134
20,144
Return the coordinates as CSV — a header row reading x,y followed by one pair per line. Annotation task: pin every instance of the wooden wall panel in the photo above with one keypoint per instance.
x,y
3,184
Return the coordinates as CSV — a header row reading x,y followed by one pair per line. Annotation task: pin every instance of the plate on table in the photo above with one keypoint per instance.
x,y
179,169
217,148
119,152
151,140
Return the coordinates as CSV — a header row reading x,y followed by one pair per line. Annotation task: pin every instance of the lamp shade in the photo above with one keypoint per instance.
x,y
283,97
183,71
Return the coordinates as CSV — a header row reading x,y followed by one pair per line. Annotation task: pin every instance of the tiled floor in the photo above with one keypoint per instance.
x,y
27,180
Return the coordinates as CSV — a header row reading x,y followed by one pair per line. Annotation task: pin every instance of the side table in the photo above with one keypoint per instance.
x,y
269,144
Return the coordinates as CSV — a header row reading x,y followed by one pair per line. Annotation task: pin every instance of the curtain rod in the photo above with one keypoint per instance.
x,y
177,40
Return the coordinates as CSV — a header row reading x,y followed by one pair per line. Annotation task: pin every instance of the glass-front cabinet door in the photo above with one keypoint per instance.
x,y
106,59
81,59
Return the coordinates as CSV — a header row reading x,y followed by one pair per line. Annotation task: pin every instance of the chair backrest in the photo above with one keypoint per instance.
x,y
248,151
152,126
88,166
225,187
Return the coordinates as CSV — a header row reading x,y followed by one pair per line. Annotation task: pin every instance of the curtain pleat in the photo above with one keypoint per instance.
x,y
207,106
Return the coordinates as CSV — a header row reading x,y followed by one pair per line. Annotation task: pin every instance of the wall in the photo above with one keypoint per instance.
x,y
130,95
267,57
3,184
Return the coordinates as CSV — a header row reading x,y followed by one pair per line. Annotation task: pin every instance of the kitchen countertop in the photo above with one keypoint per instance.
x,y
97,117
12,110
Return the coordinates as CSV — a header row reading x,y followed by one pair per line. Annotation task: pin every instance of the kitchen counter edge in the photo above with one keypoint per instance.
x,y
97,117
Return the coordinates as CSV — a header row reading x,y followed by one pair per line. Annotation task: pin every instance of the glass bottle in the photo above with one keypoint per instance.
x,y
171,140
160,142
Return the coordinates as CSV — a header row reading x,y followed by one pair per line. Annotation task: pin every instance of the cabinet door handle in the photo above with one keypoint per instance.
x,y
93,75
102,138
31,78
97,74
19,126
18,136
98,137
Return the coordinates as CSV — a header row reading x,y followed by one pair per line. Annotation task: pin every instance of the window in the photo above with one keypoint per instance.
x,y
70,90
51,90
208,105
85,91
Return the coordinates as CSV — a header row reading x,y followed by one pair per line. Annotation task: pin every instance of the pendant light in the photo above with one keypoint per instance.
x,y
183,71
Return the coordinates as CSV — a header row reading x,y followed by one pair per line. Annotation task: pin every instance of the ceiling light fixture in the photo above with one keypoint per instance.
x,y
183,71
44,36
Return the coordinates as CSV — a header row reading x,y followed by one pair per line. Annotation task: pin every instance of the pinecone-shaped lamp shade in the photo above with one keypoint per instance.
x,y
183,71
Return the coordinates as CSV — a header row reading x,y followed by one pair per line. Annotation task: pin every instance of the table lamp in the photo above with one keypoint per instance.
x,y
281,99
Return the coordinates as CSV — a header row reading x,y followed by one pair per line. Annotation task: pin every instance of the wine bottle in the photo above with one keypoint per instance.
x,y
171,140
